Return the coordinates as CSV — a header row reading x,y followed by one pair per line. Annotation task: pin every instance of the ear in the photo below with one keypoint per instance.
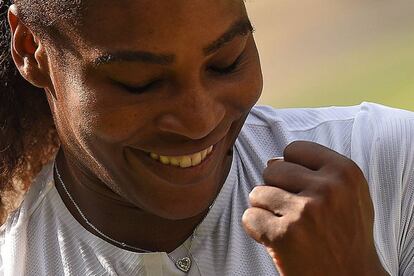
x,y
28,53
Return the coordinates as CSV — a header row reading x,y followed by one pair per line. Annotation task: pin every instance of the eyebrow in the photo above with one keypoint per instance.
x,y
241,27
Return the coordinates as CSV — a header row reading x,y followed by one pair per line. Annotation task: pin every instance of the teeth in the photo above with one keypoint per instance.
x,y
203,154
195,159
164,160
174,161
184,161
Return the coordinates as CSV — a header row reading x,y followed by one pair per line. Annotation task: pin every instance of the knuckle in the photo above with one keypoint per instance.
x,y
310,207
327,186
313,212
290,232
266,238
248,217
277,236
345,173
349,174
255,194
328,190
330,196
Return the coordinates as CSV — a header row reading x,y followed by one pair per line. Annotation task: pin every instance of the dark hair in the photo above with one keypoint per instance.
x,y
28,138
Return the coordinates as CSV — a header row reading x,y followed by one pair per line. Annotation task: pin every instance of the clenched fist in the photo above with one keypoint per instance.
x,y
314,214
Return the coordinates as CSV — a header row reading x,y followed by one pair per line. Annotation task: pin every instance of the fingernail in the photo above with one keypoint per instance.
x,y
279,158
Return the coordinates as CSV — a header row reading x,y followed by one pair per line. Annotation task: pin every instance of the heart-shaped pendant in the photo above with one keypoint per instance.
x,y
183,264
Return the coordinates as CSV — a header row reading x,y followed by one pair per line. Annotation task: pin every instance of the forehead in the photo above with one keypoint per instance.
x,y
161,25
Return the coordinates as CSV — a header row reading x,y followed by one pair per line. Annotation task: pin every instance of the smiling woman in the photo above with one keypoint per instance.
x,y
140,117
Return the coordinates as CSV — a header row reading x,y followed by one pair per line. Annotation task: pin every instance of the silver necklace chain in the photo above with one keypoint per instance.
x,y
183,264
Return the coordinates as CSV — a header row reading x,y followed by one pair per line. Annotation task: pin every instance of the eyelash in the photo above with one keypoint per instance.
x,y
139,89
220,71
229,69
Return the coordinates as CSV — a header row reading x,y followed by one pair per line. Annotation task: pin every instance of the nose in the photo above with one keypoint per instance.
x,y
193,113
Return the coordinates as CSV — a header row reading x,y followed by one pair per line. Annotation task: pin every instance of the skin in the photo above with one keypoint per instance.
x,y
314,207
106,132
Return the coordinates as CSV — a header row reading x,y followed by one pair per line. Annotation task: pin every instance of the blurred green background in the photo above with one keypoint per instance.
x,y
333,52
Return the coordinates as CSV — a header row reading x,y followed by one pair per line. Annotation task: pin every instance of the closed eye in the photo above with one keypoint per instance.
x,y
138,89
228,69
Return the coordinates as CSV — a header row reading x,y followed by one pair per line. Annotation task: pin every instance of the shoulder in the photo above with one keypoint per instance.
x,y
273,129
294,119
267,131
383,134
370,134
304,118
366,117
365,133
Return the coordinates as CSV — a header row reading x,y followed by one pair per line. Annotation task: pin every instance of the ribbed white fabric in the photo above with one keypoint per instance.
x,y
42,237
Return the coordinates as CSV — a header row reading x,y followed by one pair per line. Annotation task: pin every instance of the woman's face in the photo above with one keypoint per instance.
x,y
167,77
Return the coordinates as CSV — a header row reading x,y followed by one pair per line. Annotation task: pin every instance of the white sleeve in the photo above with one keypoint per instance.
x,y
383,146
406,233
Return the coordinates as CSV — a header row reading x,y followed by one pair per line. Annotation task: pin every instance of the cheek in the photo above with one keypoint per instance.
x,y
73,110
253,87
119,125
253,81
90,113
111,121
92,119
245,92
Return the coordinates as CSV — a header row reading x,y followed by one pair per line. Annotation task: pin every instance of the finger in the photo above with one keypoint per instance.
x,y
290,177
273,199
311,155
261,224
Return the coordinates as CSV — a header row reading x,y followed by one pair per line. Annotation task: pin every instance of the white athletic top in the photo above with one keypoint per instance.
x,y
42,237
